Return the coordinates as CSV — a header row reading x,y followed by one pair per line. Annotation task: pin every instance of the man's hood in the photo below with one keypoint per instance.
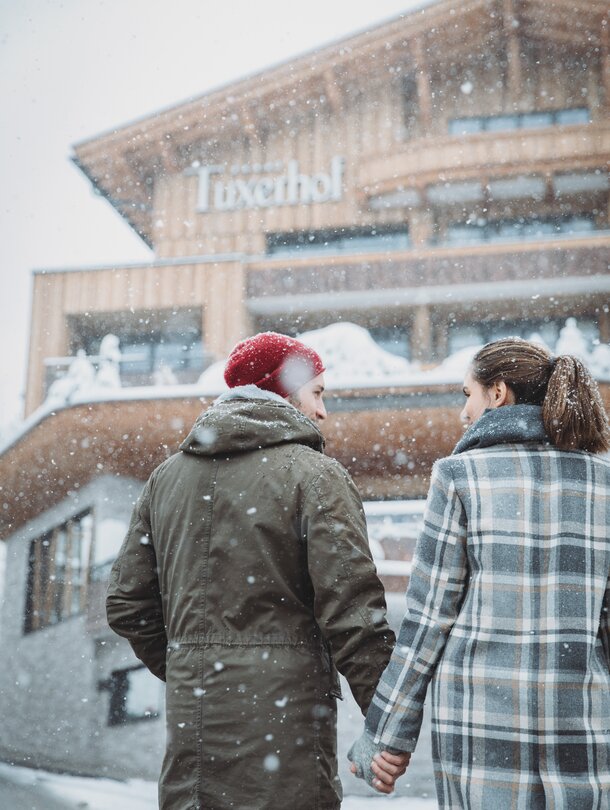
x,y
247,418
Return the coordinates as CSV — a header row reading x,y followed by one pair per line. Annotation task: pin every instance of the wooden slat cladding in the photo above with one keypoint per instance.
x,y
216,289
443,266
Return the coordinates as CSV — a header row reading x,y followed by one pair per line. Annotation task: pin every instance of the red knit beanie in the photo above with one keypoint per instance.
x,y
273,362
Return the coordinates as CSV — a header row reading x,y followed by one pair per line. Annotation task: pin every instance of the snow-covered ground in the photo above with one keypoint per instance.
x,y
135,794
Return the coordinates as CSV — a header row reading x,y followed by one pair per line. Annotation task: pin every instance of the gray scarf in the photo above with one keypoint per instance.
x,y
507,424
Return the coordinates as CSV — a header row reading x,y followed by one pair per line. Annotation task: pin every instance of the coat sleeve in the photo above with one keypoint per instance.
x,y
349,600
436,590
604,624
133,603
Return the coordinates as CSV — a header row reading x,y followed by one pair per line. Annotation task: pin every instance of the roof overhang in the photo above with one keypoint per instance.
x,y
123,164
64,450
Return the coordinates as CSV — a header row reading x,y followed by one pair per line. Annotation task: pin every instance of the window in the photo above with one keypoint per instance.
x,y
149,353
341,240
394,339
547,329
477,231
530,120
57,573
135,694
393,528
150,342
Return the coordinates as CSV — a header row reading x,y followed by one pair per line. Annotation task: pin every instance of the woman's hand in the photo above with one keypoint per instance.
x,y
377,767
388,768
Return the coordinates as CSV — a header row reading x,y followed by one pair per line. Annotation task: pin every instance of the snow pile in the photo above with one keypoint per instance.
x,y
353,360
81,791
82,376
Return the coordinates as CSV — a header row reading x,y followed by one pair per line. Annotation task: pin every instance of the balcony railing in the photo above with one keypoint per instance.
x,y
523,261
456,157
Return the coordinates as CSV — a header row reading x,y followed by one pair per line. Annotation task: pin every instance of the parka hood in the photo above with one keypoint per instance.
x,y
247,418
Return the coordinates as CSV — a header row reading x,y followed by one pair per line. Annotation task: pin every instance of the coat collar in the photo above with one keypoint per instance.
x,y
508,424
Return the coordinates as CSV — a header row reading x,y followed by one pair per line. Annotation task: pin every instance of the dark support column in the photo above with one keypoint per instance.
x,y
441,331
424,93
604,326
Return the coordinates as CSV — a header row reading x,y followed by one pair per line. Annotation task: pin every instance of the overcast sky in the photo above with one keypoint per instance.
x,y
72,69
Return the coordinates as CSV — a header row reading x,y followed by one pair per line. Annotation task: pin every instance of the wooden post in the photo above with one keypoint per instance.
x,y
441,348
424,94
605,62
421,335
513,56
421,227
331,91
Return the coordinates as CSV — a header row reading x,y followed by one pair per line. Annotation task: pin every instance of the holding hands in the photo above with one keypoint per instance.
x,y
379,768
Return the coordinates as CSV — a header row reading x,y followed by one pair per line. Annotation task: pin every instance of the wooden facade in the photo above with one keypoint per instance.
x,y
207,185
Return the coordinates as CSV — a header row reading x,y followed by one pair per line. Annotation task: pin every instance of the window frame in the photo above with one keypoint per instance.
x,y
336,241
525,120
52,578
117,686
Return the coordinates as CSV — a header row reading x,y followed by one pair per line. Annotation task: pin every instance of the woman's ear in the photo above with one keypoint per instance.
x,y
501,394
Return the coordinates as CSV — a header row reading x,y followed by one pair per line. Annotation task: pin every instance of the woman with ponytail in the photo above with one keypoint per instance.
x,y
508,603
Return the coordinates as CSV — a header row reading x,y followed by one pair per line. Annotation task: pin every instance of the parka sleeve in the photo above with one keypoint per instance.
x,y
437,586
604,623
133,603
349,601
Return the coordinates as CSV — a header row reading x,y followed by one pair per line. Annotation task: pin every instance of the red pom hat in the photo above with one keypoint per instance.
x,y
273,362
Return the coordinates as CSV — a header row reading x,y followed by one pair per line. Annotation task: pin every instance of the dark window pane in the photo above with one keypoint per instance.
x,y
579,115
465,126
498,123
536,119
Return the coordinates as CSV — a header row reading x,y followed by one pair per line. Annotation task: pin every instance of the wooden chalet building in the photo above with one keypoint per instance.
x,y
441,180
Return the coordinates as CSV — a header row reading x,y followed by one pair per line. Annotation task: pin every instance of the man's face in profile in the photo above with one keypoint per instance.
x,y
309,399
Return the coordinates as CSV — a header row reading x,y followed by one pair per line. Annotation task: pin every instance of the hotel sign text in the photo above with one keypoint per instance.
x,y
290,187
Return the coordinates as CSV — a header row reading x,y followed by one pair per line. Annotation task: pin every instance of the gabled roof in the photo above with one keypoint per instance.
x,y
122,164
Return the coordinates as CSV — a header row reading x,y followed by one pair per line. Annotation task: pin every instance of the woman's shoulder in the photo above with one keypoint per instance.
x,y
522,456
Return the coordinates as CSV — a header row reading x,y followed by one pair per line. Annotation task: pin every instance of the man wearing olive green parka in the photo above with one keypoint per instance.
x,y
245,582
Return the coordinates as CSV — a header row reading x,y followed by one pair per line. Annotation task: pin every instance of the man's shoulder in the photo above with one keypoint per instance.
x,y
309,464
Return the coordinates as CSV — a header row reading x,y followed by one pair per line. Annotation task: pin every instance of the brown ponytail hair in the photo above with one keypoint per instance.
x,y
573,413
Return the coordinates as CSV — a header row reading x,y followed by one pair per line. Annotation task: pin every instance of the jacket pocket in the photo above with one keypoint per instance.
x,y
335,683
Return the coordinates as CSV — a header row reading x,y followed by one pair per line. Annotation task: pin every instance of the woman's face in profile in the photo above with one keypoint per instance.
x,y
478,399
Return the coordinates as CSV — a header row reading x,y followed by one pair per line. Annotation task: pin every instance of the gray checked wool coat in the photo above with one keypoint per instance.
x,y
507,621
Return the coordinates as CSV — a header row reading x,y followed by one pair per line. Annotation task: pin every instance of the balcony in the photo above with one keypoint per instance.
x,y
567,265
453,158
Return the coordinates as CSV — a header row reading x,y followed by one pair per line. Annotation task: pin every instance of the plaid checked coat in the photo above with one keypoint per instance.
x,y
507,621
